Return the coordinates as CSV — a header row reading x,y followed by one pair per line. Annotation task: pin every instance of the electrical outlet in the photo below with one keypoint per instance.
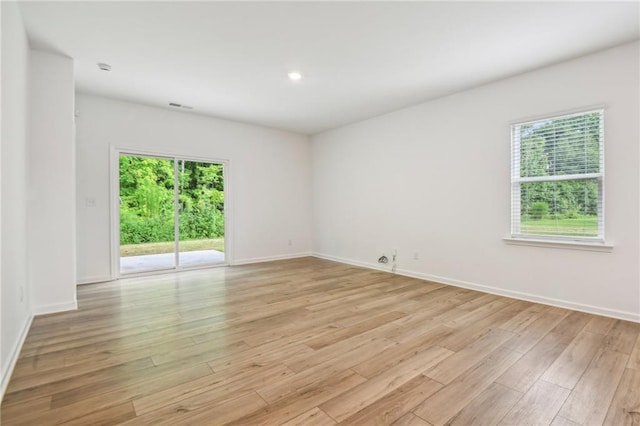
x,y
416,255
290,242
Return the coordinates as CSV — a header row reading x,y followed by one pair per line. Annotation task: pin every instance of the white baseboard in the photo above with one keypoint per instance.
x,y
597,310
368,265
270,258
15,353
93,280
56,307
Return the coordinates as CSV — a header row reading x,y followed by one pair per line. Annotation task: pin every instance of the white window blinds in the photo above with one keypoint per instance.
x,y
557,175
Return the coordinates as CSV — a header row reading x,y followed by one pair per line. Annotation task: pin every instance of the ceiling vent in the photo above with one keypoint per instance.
x,y
175,105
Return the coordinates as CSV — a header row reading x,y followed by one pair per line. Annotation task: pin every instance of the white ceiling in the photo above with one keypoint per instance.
x,y
358,59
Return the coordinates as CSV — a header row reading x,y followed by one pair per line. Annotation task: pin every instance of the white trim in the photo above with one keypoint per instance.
x,y
114,213
94,279
376,266
559,114
176,213
229,235
15,353
54,308
270,258
570,245
203,266
169,155
596,310
170,270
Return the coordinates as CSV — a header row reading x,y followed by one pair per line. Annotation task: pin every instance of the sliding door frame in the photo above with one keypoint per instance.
x,y
114,230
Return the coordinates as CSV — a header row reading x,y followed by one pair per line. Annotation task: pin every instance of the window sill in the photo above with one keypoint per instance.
x,y
570,245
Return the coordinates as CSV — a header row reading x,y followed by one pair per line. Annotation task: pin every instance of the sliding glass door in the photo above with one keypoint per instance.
x,y
171,213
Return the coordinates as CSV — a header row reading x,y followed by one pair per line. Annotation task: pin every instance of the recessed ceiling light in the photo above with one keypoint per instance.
x,y
295,75
103,66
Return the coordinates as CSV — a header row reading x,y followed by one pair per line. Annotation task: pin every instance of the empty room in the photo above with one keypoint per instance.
x,y
320,213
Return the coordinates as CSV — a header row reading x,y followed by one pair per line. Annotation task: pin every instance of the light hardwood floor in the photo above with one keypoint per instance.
x,y
312,342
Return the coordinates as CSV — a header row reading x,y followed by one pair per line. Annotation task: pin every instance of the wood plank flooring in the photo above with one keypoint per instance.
x,y
312,342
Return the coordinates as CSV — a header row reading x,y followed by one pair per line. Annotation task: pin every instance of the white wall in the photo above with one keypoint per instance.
x,y
16,310
51,184
269,183
434,179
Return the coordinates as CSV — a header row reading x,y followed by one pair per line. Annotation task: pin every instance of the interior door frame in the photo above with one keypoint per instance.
x,y
114,197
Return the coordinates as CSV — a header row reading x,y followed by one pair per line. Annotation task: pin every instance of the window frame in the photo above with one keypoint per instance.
x,y
517,180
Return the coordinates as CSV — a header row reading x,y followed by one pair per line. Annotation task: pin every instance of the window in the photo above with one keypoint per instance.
x,y
557,174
